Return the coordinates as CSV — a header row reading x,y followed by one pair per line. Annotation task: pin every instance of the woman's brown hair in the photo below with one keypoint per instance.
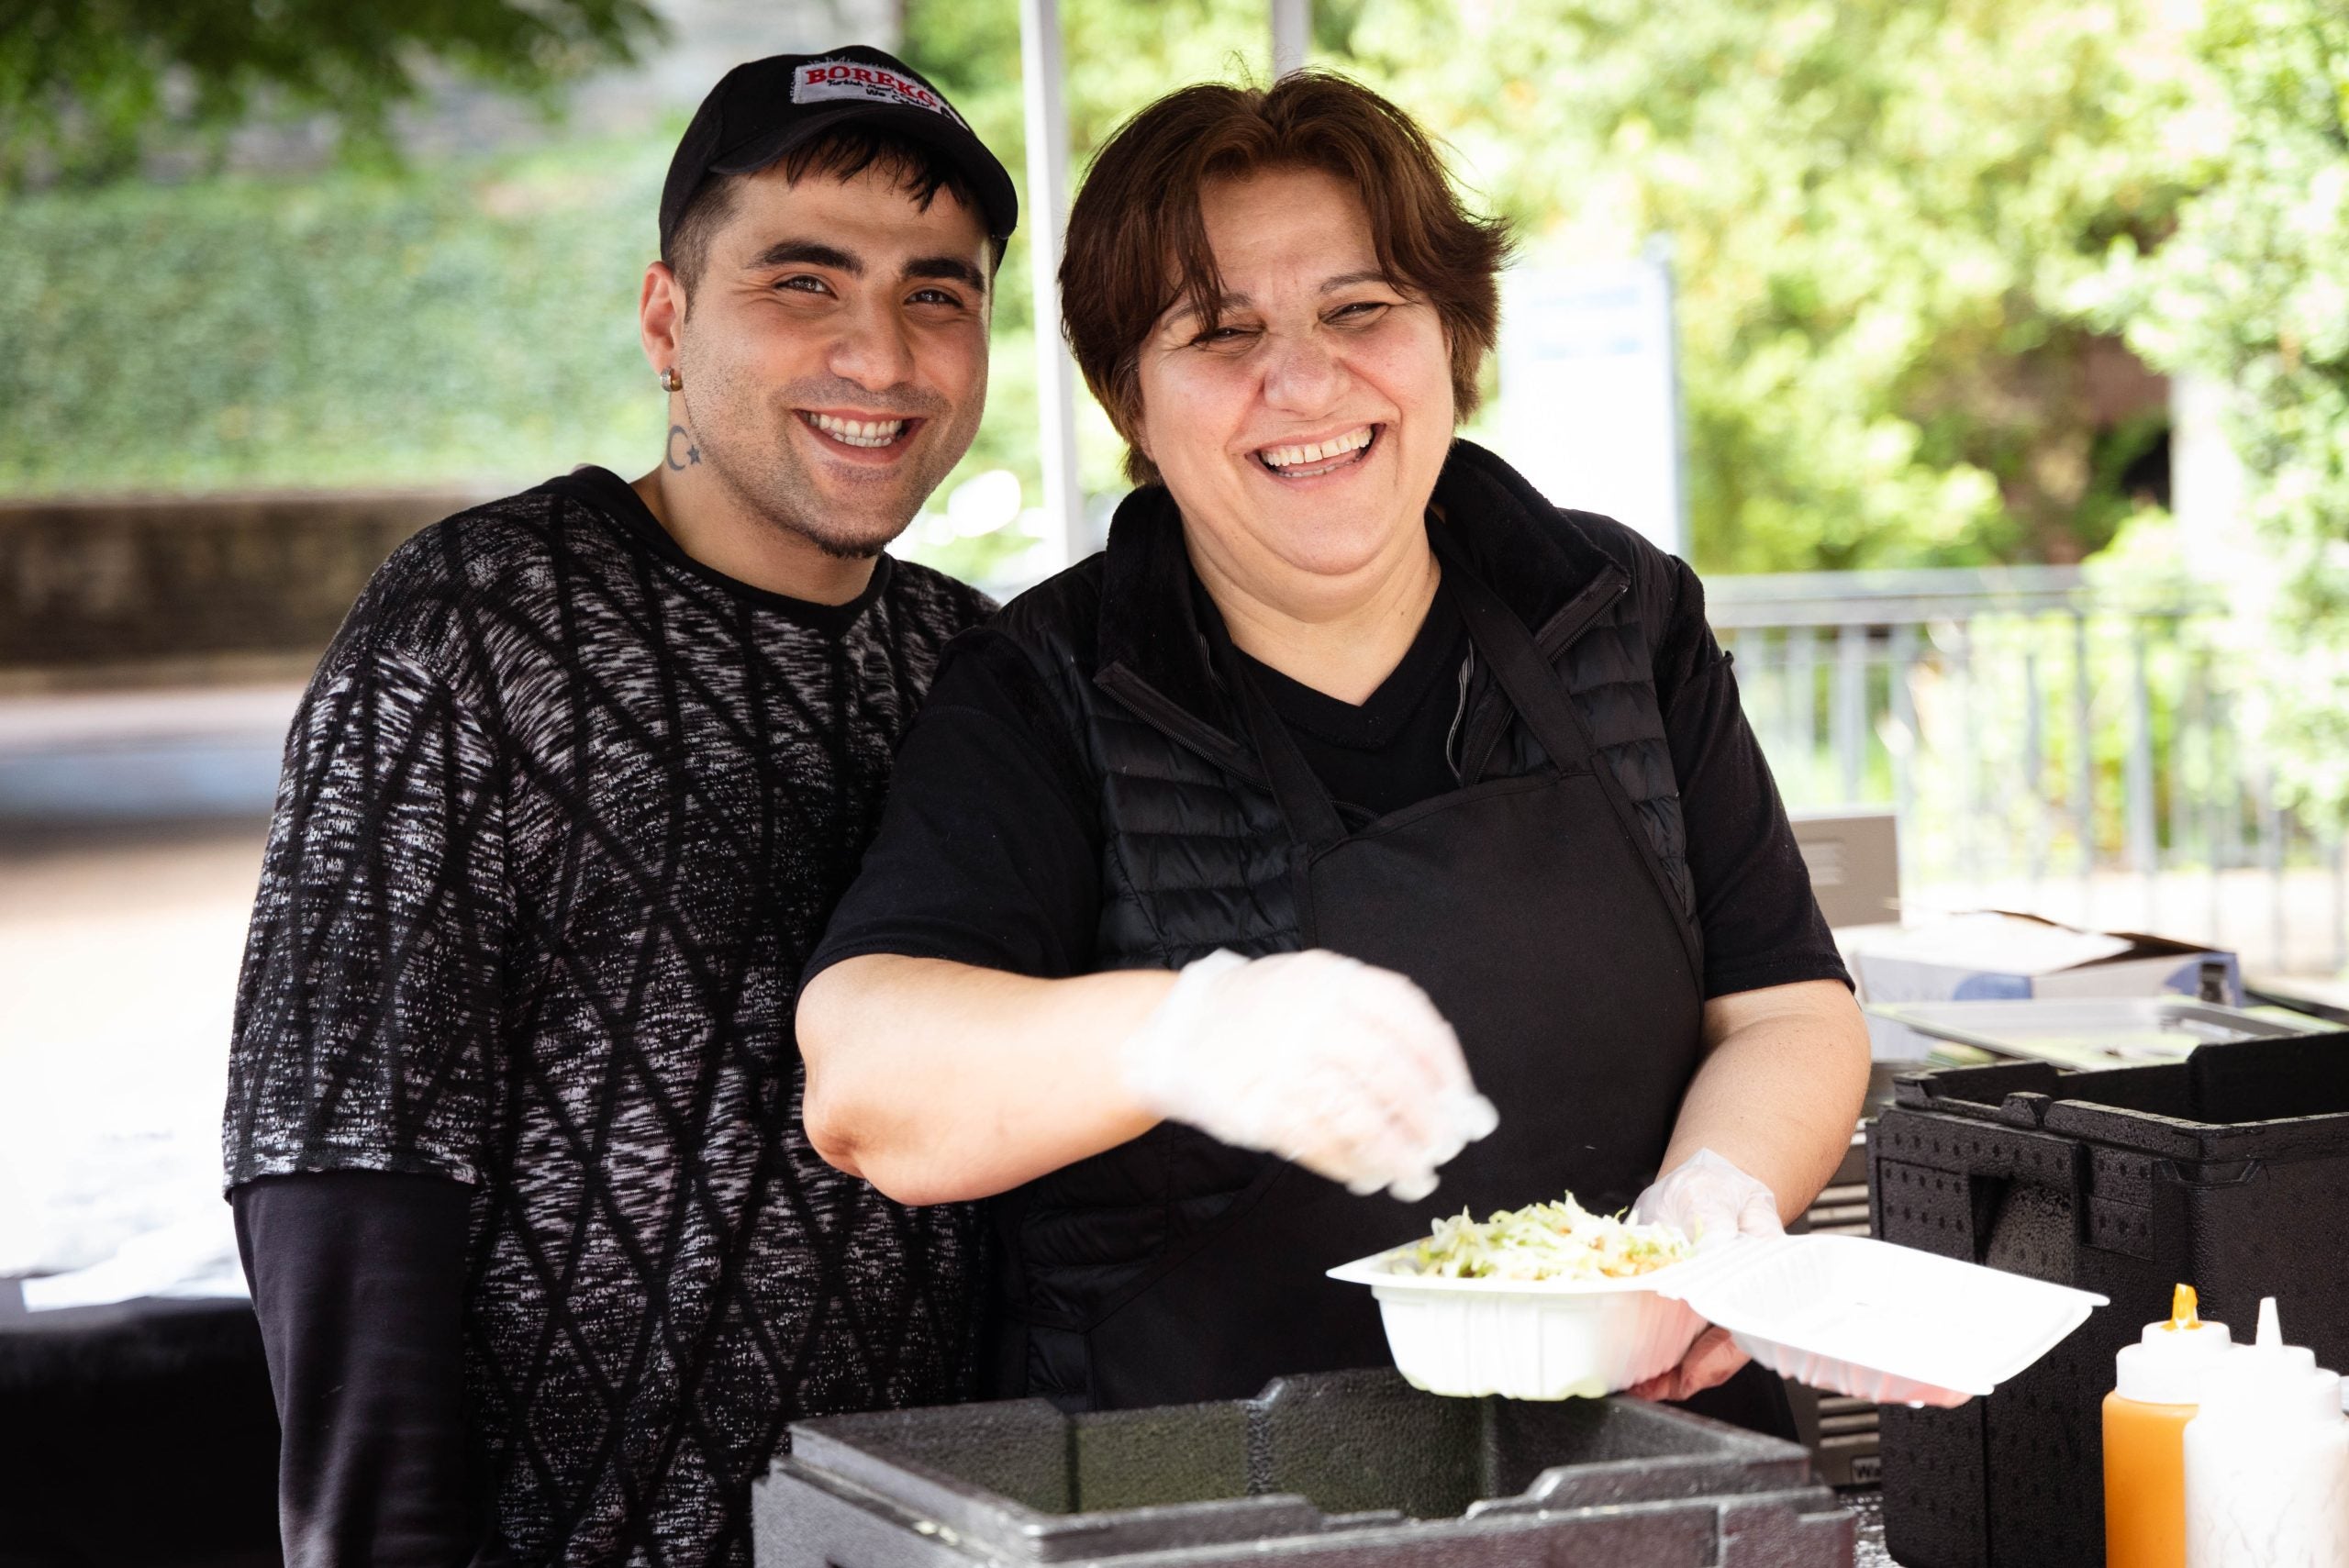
x,y
1137,243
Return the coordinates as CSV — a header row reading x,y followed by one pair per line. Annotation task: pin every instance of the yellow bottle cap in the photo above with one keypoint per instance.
x,y
2165,1366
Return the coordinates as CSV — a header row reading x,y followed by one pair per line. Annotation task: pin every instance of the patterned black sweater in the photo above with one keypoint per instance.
x,y
563,814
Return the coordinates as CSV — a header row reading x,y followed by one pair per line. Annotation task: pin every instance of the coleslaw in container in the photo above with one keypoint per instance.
x,y
1560,1240
1552,1302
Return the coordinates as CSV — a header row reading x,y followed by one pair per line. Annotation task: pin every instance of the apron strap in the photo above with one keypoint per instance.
x,y
1533,687
1539,693
1312,817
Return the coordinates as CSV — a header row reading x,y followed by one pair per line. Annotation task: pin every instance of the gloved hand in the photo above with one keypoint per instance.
x,y
1346,1068
1710,1200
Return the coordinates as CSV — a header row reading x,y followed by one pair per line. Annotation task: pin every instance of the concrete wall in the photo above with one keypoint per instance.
x,y
97,587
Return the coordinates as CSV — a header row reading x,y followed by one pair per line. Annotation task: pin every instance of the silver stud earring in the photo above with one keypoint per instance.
x,y
671,381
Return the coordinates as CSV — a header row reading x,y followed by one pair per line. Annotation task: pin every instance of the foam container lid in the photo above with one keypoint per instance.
x,y
1879,1321
1846,1314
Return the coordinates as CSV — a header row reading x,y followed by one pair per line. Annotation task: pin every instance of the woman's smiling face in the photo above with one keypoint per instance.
x,y
1303,433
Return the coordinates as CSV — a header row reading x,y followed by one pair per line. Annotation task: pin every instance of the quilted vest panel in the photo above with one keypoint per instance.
x,y
1196,856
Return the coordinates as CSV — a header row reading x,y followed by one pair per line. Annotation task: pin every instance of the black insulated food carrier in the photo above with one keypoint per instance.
x,y
2228,1171
1336,1470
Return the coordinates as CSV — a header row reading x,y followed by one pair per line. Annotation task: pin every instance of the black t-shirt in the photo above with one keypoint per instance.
x,y
1395,749
990,853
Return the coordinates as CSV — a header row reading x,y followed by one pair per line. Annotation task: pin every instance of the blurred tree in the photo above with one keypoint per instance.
x,y
462,324
1878,209
86,84
2252,292
1875,206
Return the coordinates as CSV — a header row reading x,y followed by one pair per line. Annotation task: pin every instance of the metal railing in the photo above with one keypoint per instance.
x,y
2045,744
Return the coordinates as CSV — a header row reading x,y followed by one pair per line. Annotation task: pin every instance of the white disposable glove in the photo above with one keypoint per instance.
x,y
1709,1200
1348,1070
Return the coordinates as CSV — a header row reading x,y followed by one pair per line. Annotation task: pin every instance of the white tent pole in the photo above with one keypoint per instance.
x,y
1292,31
1046,221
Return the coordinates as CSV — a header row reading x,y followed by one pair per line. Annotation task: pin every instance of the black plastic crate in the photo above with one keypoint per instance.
x,y
2228,1171
1337,1470
1840,1432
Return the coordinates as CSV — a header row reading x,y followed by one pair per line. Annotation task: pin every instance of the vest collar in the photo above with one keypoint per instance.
x,y
1154,651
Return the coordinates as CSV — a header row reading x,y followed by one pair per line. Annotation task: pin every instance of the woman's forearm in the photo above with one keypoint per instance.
x,y
1780,1088
940,1082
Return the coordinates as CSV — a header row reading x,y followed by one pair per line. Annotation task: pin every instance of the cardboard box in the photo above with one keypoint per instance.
x,y
1998,956
1854,858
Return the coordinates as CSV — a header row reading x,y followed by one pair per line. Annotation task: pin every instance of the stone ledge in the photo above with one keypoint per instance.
x,y
93,585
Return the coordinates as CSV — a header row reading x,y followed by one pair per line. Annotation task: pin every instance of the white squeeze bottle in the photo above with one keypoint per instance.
x,y
2268,1460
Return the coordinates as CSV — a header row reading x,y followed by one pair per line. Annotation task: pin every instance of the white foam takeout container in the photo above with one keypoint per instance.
x,y
1844,1313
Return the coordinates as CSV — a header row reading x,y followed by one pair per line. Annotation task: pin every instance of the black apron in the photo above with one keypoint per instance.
x,y
1534,912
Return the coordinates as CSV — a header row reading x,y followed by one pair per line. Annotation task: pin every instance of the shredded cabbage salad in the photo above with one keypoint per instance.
x,y
1560,1240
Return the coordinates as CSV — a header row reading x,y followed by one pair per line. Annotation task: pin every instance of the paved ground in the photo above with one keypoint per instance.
x,y
118,958
134,756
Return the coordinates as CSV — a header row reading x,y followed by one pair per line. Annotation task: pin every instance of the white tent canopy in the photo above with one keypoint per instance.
x,y
1043,79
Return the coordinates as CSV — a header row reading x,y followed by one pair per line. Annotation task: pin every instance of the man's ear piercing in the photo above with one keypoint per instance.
x,y
671,381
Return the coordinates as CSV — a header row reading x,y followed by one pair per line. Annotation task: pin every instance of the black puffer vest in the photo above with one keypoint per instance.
x,y
1195,854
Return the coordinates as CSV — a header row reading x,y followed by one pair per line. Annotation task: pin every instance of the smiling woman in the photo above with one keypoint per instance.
x,y
1357,817
1300,412
1283,305
1142,239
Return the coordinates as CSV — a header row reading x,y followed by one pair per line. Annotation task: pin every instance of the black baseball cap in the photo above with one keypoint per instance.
x,y
760,110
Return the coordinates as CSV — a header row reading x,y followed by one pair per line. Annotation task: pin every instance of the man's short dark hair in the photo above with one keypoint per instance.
x,y
920,171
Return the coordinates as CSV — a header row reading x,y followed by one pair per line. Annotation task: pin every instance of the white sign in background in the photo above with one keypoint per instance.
x,y
1590,400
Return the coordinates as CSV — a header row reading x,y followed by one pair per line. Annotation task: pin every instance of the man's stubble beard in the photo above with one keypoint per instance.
x,y
759,462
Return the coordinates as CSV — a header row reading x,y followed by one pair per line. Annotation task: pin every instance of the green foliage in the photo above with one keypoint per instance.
x,y
1880,212
1875,207
2252,292
468,326
451,326
87,84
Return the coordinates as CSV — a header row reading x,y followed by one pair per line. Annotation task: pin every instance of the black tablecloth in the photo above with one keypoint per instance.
x,y
135,1436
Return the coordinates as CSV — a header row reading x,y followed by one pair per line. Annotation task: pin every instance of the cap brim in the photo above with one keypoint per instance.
x,y
964,150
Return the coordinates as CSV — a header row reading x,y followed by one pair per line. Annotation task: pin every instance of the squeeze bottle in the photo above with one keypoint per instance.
x,y
2157,1385
2268,1460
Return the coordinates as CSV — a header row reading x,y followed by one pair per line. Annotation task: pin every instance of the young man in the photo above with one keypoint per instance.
x,y
542,1260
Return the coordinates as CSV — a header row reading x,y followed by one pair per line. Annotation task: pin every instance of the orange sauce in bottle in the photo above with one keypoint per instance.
x,y
2144,1483
2145,1437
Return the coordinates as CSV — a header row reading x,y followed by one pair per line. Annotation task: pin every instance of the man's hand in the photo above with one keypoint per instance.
x,y
1709,1200
1348,1070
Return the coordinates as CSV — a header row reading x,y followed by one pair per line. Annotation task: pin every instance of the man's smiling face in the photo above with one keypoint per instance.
x,y
834,352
